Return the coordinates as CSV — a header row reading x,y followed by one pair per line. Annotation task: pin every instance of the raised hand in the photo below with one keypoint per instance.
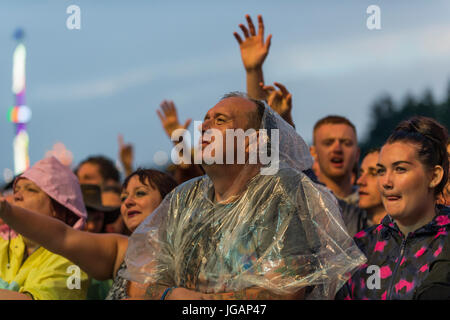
x,y
279,100
126,155
253,52
253,49
169,118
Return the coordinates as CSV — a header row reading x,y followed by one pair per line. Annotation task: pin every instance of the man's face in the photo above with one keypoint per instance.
x,y
230,113
336,150
369,196
89,173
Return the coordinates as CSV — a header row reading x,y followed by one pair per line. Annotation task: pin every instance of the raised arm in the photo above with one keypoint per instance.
x,y
253,52
169,118
126,155
279,100
99,255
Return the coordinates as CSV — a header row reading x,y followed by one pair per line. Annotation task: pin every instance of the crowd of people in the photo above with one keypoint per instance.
x,y
320,227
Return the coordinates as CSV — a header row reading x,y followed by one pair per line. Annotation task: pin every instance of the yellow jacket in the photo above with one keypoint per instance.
x,y
44,275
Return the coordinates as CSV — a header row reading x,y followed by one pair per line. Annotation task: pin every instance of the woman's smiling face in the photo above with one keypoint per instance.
x,y
138,200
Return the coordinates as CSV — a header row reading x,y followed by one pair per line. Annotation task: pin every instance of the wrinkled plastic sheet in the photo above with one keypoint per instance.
x,y
283,234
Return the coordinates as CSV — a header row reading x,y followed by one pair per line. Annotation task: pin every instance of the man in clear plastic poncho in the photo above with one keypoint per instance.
x,y
247,229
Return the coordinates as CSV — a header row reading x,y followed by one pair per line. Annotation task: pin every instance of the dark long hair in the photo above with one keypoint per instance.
x,y
431,139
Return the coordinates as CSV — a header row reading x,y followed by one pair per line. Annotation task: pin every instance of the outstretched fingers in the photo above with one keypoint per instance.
x,y
251,26
163,106
171,107
168,107
238,37
268,42
244,30
161,117
260,26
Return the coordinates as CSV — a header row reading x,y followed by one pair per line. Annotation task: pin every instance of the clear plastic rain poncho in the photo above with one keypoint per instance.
x,y
282,233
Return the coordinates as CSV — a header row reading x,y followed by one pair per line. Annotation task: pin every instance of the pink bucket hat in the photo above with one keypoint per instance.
x,y
60,184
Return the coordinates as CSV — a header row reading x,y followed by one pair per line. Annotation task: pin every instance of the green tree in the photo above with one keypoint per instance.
x,y
386,115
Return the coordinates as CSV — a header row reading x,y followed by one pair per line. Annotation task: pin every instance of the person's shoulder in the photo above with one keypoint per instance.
x,y
189,188
354,217
288,176
189,184
368,237
368,233
294,181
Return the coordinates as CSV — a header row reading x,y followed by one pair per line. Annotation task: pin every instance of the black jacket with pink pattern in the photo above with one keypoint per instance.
x,y
396,265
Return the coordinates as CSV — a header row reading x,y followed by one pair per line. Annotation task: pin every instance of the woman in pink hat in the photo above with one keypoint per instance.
x,y
100,255
27,270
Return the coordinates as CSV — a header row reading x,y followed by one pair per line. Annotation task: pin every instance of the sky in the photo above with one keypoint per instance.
x,y
86,86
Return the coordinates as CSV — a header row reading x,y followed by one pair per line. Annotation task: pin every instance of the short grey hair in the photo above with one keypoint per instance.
x,y
255,122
